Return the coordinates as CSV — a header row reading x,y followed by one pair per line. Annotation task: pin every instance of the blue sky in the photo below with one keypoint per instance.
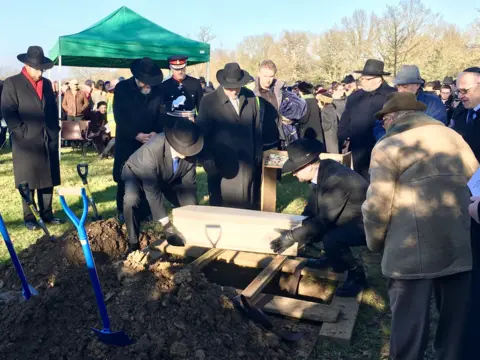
x,y
33,22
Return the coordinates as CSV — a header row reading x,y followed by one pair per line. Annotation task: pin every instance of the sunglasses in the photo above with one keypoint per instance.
x,y
465,90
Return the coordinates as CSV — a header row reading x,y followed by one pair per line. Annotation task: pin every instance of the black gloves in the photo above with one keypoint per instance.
x,y
287,238
283,242
173,236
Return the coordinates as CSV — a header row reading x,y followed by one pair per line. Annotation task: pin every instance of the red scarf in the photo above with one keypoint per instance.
x,y
38,86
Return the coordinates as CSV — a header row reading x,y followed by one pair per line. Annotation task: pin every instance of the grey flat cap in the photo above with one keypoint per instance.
x,y
408,74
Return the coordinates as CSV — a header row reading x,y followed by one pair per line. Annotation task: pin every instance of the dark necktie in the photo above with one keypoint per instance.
x,y
175,164
472,115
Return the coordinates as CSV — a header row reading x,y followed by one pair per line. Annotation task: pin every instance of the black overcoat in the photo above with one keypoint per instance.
x,y
357,123
34,127
134,113
310,125
336,201
234,143
471,131
190,88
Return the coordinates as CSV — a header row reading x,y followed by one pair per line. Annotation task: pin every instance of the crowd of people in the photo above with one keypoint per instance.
x,y
415,145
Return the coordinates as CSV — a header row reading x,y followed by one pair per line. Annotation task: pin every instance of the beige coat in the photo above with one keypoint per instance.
x,y
417,202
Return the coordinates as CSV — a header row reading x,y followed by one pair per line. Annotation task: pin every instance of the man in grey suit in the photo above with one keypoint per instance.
x,y
163,168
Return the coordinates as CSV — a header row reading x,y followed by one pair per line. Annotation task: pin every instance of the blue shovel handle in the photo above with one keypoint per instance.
x,y
28,291
87,252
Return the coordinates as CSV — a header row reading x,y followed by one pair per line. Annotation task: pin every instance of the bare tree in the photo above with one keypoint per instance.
x,y
253,49
399,31
87,73
205,34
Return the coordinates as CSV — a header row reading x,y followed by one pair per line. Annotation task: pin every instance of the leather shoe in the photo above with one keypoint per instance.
x,y
322,262
132,247
354,284
54,221
32,225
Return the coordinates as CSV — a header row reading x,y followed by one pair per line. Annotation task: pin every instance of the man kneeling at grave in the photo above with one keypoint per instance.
x,y
163,168
333,211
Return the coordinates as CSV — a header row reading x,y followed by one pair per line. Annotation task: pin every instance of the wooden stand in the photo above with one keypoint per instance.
x,y
274,160
337,319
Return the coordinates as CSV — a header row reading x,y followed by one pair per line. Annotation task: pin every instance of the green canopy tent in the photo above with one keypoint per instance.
x,y
121,37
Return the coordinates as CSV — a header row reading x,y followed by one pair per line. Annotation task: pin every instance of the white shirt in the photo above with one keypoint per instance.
x,y
236,104
315,177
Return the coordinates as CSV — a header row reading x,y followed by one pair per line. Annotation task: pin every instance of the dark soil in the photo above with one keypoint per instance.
x,y
170,310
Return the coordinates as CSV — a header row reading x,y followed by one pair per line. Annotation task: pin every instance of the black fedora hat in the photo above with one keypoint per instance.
x,y
184,136
300,153
232,76
35,58
448,80
398,101
373,67
348,79
146,71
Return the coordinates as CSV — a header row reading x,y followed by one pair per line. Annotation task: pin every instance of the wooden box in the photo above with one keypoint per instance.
x,y
233,229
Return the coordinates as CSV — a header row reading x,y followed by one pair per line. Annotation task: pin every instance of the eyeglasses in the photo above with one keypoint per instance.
x,y
465,91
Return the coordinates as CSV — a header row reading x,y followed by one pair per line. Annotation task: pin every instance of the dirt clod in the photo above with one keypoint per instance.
x,y
168,309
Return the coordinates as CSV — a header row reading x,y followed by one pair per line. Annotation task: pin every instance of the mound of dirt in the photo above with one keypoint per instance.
x,y
170,310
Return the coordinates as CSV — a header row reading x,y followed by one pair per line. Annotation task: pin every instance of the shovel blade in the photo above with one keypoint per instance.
x,y
33,292
117,338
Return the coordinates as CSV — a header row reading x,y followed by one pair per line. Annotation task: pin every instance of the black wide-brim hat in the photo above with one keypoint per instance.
x,y
184,136
35,58
232,76
373,68
146,71
301,153
398,101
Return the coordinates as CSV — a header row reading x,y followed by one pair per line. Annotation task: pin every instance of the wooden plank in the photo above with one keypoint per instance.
x,y
268,200
206,258
262,279
233,229
299,309
245,259
341,331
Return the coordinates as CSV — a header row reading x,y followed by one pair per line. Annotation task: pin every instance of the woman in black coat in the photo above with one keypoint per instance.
x,y
310,125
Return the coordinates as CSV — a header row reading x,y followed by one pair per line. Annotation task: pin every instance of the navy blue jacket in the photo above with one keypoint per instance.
x,y
435,109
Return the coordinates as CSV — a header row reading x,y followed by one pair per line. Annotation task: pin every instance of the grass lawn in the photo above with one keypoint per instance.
x,y
372,329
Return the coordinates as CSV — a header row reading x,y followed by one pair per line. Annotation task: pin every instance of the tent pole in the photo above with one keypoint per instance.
x,y
60,106
207,72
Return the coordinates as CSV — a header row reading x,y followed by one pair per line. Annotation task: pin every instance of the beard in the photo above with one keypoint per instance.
x,y
145,91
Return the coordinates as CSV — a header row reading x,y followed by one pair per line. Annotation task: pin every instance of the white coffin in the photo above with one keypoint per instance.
x,y
233,229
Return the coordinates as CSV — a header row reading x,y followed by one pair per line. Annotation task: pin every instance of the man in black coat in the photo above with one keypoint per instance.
x,y
310,125
29,108
138,110
230,120
163,168
466,119
358,119
334,214
180,84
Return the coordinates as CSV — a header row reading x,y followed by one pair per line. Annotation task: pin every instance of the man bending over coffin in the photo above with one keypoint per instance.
x,y
163,168
334,214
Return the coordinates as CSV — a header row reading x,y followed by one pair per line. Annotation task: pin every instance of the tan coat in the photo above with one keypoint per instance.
x,y
417,202
75,105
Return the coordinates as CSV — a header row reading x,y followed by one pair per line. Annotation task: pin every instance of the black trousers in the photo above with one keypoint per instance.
x,y
472,336
44,204
155,195
336,244
410,302
3,135
120,195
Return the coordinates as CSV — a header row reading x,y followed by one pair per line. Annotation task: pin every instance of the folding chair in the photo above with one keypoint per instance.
x,y
76,131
